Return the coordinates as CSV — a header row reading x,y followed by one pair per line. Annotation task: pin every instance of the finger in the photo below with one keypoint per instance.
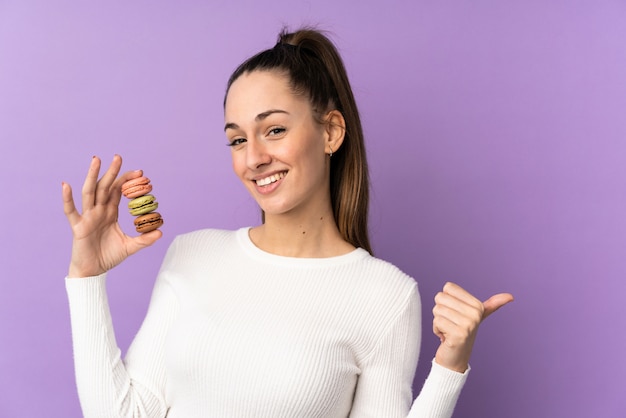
x,y
89,186
438,328
458,292
464,319
69,208
457,307
496,302
455,326
443,328
463,296
116,188
103,187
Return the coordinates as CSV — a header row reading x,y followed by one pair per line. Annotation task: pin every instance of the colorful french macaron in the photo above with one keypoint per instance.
x,y
136,187
148,222
142,205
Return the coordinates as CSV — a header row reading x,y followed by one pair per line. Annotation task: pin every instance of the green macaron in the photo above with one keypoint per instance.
x,y
142,205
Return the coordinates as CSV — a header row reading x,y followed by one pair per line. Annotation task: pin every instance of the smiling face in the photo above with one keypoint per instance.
x,y
278,148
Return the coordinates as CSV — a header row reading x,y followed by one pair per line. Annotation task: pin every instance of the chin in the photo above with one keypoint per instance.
x,y
274,209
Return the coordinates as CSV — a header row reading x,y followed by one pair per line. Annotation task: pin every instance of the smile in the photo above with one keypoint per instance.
x,y
271,179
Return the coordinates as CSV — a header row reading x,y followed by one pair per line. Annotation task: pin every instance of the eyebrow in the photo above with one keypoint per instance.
x,y
261,116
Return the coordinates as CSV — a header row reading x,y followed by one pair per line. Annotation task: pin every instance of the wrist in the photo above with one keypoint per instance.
x,y
453,363
75,272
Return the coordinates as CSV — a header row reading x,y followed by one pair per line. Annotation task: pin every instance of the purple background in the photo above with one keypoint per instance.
x,y
496,134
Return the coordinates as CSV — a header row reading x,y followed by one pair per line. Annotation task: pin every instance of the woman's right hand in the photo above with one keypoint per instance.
x,y
99,244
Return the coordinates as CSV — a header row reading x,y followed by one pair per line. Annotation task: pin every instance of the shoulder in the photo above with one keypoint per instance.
x,y
204,236
388,304
376,272
199,244
382,288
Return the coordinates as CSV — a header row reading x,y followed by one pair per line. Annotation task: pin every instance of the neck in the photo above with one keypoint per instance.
x,y
301,236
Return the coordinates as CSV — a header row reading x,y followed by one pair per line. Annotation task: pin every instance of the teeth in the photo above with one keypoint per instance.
x,y
270,179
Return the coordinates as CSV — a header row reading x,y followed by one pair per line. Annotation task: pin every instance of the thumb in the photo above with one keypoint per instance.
x,y
496,302
144,240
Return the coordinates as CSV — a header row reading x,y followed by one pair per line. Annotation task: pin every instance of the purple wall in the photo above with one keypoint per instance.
x,y
497,141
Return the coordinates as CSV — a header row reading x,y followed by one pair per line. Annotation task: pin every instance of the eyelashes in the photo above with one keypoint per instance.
x,y
272,133
276,131
235,142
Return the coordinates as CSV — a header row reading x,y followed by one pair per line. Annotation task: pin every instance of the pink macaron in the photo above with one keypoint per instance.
x,y
136,187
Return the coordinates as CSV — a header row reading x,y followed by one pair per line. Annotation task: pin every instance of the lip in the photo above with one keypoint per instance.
x,y
269,181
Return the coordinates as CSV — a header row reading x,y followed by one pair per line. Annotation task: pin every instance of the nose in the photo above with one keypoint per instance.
x,y
257,154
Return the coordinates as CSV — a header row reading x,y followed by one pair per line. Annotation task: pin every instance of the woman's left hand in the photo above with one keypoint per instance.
x,y
457,315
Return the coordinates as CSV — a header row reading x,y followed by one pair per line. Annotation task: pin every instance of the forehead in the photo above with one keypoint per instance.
x,y
256,92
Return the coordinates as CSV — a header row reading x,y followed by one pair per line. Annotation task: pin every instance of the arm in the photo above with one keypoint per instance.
x,y
107,386
98,245
439,394
384,385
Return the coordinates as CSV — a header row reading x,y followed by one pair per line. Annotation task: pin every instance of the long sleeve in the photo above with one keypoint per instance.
x,y
439,394
109,387
384,386
234,332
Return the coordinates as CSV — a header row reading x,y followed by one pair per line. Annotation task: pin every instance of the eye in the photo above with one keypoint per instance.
x,y
235,142
276,131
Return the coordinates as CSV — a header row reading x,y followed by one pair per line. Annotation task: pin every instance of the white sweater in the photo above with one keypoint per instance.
x,y
233,331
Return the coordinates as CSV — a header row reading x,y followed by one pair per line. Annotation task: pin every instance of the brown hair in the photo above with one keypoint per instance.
x,y
315,69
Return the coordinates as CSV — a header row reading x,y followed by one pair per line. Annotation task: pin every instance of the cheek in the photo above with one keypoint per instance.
x,y
238,163
310,144
311,166
313,152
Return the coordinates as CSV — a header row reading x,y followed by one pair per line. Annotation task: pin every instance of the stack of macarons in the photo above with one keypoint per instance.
x,y
142,204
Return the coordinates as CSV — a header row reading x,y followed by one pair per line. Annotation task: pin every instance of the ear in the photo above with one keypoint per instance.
x,y
335,129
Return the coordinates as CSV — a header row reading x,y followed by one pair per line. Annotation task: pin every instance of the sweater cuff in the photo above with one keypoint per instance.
x,y
448,382
85,288
451,375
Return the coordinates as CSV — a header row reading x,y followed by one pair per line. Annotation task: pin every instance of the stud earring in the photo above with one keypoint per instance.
x,y
331,152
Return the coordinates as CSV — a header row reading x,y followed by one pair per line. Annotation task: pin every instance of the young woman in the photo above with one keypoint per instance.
x,y
290,318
